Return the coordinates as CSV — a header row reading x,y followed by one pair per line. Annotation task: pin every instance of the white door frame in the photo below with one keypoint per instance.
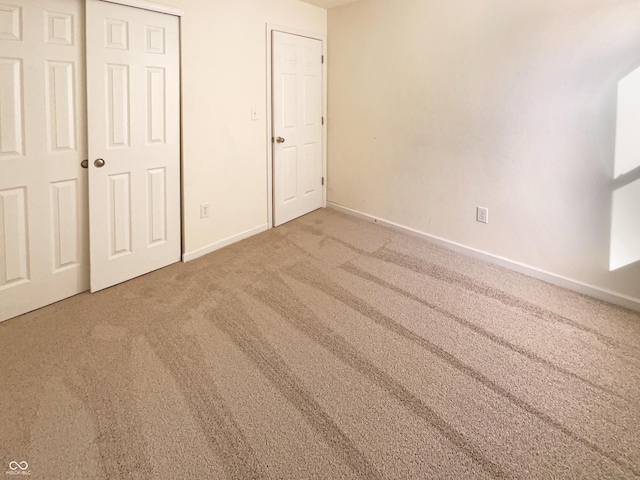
x,y
323,39
146,5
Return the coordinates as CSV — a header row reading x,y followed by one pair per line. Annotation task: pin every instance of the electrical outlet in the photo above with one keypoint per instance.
x,y
254,114
204,210
482,215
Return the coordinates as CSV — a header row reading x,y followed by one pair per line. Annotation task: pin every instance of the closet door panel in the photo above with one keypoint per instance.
x,y
133,81
43,188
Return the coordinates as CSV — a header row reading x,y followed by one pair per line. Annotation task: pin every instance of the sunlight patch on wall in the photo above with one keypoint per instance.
x,y
625,226
628,125
625,210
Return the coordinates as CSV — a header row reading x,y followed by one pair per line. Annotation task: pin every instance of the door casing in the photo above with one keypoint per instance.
x,y
146,5
270,134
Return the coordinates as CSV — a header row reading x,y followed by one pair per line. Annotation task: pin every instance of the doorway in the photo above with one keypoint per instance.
x,y
296,123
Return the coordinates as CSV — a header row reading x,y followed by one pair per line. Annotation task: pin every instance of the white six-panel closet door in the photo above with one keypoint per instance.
x,y
133,126
43,192
134,141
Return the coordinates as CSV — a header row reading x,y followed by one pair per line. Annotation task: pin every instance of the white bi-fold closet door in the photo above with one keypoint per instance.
x,y
124,118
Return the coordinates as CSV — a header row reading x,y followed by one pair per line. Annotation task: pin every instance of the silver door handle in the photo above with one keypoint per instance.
x,y
99,163
84,163
280,140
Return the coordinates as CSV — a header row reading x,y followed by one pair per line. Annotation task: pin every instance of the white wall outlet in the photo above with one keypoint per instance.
x,y
254,114
204,210
482,215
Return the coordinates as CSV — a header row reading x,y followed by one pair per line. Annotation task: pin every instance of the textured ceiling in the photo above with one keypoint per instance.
x,y
328,3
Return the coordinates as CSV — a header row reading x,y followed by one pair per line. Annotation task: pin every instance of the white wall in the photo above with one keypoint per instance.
x,y
436,107
224,65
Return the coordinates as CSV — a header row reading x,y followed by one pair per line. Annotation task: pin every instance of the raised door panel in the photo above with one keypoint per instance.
x,y
289,103
312,102
311,160
155,40
10,22
11,107
61,109
157,206
290,174
65,211
118,110
116,34
59,29
156,118
119,215
14,252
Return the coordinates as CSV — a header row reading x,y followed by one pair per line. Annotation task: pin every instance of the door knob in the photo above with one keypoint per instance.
x,y
280,140
84,163
99,163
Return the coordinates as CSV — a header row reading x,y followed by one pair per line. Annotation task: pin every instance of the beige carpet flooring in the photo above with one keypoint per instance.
x,y
327,348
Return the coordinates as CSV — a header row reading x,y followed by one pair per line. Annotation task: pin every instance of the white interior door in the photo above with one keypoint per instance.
x,y
43,202
297,126
134,141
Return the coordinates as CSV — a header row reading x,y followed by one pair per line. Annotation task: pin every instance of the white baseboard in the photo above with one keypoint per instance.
x,y
188,256
609,296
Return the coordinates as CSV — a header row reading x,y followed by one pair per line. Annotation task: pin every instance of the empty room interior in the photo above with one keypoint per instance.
x,y
320,239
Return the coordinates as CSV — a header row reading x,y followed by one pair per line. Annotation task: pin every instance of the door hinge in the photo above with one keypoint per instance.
x,y
273,140
323,181
322,56
323,120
